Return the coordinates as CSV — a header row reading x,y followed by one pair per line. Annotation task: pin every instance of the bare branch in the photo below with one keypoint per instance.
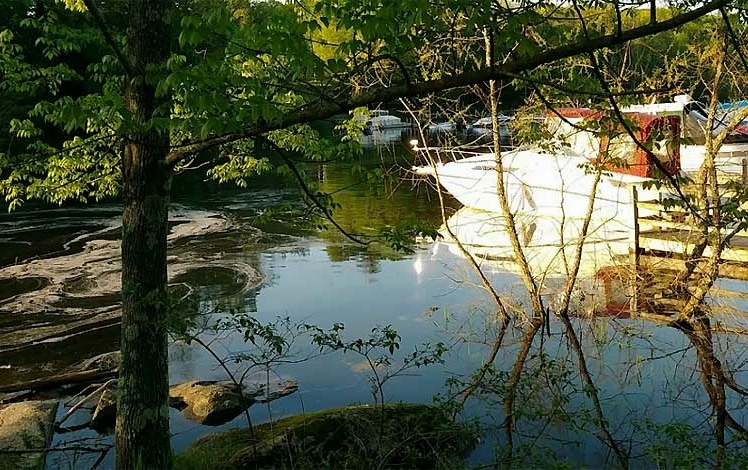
x,y
308,192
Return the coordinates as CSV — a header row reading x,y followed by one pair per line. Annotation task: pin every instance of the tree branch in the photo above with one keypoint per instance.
x,y
325,211
600,94
109,38
733,37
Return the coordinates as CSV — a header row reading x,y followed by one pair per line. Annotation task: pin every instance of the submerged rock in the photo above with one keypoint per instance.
x,y
268,392
210,402
105,362
214,403
393,436
57,308
26,426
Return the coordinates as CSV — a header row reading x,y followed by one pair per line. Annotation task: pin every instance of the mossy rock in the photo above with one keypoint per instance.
x,y
393,436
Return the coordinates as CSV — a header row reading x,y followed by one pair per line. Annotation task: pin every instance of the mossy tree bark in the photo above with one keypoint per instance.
x,y
142,430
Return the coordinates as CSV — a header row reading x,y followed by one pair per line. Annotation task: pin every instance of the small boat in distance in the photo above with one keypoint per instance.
x,y
380,119
484,125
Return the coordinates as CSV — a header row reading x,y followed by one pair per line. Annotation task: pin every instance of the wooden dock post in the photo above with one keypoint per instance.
x,y
634,254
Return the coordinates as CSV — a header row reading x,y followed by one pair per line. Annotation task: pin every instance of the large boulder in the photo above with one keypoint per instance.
x,y
26,426
213,403
393,436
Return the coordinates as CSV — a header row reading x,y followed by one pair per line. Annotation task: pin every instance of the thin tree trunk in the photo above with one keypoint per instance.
x,y
142,430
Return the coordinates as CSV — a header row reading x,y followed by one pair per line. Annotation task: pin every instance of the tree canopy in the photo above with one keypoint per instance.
x,y
238,71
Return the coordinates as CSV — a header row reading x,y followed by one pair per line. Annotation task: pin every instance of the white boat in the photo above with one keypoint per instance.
x,y
731,155
380,119
484,126
557,183
537,182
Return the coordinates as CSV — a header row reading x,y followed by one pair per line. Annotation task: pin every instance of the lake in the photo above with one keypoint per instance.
x,y
657,386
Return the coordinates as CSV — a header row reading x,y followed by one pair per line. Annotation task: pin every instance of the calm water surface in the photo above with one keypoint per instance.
x,y
647,374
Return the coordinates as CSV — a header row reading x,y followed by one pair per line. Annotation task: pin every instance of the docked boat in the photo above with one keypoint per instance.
x,y
558,183
484,126
381,119
731,156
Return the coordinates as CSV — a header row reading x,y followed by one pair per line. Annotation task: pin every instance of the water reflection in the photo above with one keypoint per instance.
x,y
378,138
666,393
549,242
562,383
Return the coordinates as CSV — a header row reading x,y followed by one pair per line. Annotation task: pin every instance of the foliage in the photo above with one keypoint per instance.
x,y
678,445
401,237
378,350
243,65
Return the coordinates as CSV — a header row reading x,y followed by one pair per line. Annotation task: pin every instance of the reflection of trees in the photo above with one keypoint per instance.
x,y
371,197
366,258
538,379
535,391
716,382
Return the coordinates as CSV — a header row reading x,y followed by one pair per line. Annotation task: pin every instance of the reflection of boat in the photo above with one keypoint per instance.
x,y
559,183
548,242
441,126
549,247
381,137
729,157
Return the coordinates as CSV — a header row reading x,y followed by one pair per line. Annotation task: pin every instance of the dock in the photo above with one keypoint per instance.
x,y
662,242
674,232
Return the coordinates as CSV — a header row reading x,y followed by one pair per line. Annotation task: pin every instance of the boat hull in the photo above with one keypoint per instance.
x,y
542,184
729,160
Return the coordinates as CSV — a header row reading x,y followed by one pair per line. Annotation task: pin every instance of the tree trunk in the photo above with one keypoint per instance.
x,y
142,431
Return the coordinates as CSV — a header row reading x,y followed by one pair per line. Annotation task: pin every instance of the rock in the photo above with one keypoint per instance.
x,y
213,403
104,362
15,396
26,426
105,414
210,402
266,393
393,436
